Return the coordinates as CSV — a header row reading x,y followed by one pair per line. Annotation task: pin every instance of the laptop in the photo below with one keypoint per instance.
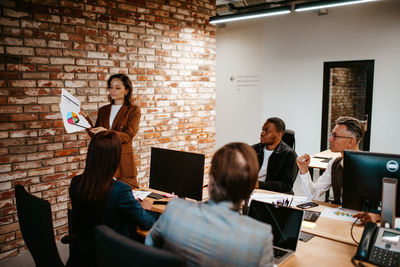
x,y
285,223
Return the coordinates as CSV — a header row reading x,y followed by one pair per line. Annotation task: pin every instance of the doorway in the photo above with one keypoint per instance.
x,y
347,91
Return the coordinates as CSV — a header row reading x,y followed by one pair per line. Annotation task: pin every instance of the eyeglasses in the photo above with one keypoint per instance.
x,y
334,136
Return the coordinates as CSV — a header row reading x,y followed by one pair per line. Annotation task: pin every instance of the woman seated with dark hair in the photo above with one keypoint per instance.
x,y
97,198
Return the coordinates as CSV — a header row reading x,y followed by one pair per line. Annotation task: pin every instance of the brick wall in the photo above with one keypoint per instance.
x,y
348,87
166,47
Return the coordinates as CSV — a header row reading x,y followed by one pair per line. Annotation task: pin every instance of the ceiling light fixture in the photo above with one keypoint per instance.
x,y
327,4
250,15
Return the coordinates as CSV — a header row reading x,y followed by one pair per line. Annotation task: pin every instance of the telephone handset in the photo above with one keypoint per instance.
x,y
380,246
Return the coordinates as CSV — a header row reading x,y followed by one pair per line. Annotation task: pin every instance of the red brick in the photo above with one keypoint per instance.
x,y
12,158
10,109
40,171
22,83
36,60
67,167
39,124
10,75
42,187
24,117
23,134
12,175
20,67
27,165
36,108
49,68
48,52
50,147
8,210
12,142
47,35
39,140
85,46
71,37
66,152
74,53
27,181
45,132
74,21
47,18
41,155
22,100
86,31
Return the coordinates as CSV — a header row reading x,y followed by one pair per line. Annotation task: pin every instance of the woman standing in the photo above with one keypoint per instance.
x,y
121,117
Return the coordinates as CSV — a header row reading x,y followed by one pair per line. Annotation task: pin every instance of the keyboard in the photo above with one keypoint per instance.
x,y
279,253
311,216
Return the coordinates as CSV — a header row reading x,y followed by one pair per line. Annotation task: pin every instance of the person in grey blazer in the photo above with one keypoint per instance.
x,y
214,233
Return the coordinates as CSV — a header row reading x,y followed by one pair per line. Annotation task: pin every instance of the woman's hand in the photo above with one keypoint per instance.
x,y
83,113
98,130
146,204
303,162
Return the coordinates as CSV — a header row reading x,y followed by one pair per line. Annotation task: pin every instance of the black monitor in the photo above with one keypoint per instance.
x,y
177,172
362,179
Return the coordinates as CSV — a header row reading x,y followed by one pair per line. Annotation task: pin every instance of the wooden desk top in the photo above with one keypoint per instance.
x,y
318,160
321,252
336,230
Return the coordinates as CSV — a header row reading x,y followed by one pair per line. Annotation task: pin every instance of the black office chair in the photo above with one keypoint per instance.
x,y
114,250
288,138
34,215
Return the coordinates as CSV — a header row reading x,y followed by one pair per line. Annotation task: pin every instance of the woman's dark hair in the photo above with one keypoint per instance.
x,y
234,171
127,83
102,161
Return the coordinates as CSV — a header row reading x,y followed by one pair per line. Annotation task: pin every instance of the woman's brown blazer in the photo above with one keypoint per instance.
x,y
126,125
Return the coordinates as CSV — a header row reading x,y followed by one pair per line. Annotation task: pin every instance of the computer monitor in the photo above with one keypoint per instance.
x,y
362,179
177,172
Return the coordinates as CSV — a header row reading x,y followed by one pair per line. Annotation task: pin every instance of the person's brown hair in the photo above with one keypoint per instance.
x,y
233,173
127,83
356,127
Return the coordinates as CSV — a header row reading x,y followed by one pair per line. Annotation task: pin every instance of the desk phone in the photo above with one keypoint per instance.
x,y
380,246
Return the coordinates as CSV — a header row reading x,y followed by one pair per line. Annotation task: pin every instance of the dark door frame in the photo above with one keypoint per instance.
x,y
369,65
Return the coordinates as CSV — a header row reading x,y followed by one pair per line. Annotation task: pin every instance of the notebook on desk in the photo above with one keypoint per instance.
x,y
285,223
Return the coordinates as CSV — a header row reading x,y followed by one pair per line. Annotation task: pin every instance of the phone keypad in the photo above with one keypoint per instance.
x,y
383,257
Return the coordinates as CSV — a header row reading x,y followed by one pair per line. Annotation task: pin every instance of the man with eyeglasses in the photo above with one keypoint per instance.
x,y
278,169
346,135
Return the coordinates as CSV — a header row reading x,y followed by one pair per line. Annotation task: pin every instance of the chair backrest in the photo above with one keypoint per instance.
x,y
113,249
288,138
34,215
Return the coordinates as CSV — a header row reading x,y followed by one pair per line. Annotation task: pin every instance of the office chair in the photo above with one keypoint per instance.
x,y
35,221
288,138
113,249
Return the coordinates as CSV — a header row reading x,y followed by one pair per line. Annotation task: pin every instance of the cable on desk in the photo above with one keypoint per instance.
x,y
351,231
359,263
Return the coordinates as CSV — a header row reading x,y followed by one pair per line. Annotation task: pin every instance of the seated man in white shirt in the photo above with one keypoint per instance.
x,y
346,135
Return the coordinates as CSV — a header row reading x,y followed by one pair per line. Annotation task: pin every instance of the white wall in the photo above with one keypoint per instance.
x,y
289,51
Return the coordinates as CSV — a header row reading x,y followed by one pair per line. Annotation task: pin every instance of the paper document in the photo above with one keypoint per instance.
x,y
269,198
140,194
339,214
70,107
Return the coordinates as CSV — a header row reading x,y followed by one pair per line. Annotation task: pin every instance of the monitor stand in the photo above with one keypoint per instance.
x,y
389,190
